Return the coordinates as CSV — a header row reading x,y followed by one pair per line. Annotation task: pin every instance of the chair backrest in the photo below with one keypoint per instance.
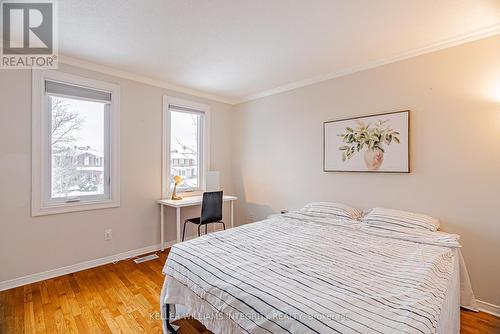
x,y
211,207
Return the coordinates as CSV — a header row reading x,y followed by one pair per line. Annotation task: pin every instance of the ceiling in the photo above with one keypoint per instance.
x,y
236,50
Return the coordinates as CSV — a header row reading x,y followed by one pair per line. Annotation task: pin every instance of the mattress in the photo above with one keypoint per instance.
x,y
431,307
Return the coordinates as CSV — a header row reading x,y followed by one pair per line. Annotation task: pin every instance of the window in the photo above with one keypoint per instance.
x,y
75,143
185,150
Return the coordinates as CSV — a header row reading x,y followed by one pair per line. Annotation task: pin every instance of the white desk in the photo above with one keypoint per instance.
x,y
188,201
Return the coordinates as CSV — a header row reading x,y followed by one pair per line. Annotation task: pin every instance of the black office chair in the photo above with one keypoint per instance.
x,y
211,212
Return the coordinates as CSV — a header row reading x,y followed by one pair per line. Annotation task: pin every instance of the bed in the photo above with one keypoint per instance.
x,y
313,272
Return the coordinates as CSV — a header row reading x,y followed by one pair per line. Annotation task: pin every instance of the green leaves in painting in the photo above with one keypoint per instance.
x,y
369,136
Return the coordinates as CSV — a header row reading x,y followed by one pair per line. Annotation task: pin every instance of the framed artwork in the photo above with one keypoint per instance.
x,y
376,143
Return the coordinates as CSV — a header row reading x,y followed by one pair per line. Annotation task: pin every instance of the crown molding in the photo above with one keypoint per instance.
x,y
140,78
447,43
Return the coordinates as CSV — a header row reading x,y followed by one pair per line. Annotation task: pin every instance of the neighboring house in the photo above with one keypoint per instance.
x,y
185,164
80,169
90,166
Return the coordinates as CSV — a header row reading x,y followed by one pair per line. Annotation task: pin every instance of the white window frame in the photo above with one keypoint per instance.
x,y
41,168
204,129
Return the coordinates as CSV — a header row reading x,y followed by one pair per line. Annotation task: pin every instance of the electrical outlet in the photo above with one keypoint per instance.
x,y
108,234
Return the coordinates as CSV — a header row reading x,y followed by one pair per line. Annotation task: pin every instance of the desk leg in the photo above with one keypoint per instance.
x,y
162,235
178,221
232,213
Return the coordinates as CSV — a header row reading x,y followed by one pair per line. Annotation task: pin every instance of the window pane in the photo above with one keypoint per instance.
x,y
184,149
77,145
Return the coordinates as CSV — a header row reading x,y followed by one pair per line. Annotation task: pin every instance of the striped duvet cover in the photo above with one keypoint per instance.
x,y
307,273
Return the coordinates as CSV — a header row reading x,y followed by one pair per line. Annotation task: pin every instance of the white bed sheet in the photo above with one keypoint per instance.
x,y
449,321
186,302
458,288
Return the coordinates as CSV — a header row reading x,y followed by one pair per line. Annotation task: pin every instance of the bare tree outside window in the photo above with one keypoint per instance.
x,y
65,124
76,144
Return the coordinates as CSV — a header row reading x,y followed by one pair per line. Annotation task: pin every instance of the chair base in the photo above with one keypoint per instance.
x,y
199,227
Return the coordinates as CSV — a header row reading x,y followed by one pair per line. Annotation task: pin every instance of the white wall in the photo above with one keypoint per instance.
x,y
34,244
455,148
269,152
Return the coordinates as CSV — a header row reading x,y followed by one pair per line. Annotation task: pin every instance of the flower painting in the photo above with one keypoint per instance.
x,y
376,143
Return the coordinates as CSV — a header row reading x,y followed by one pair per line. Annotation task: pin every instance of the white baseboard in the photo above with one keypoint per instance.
x,y
28,279
488,308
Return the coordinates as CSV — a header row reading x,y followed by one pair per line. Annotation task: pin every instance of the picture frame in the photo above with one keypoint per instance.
x,y
378,143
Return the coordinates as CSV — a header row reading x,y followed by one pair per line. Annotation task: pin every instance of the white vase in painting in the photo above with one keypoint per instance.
x,y
374,158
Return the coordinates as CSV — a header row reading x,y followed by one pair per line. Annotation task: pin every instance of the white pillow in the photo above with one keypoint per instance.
x,y
382,216
338,210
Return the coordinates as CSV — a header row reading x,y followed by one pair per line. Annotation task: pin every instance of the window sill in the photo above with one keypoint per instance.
x,y
190,193
186,193
73,207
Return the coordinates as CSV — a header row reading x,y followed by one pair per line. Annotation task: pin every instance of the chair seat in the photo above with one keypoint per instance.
x,y
194,220
197,221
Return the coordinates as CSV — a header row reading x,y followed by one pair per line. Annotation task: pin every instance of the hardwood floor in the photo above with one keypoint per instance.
x,y
478,323
114,298
120,298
